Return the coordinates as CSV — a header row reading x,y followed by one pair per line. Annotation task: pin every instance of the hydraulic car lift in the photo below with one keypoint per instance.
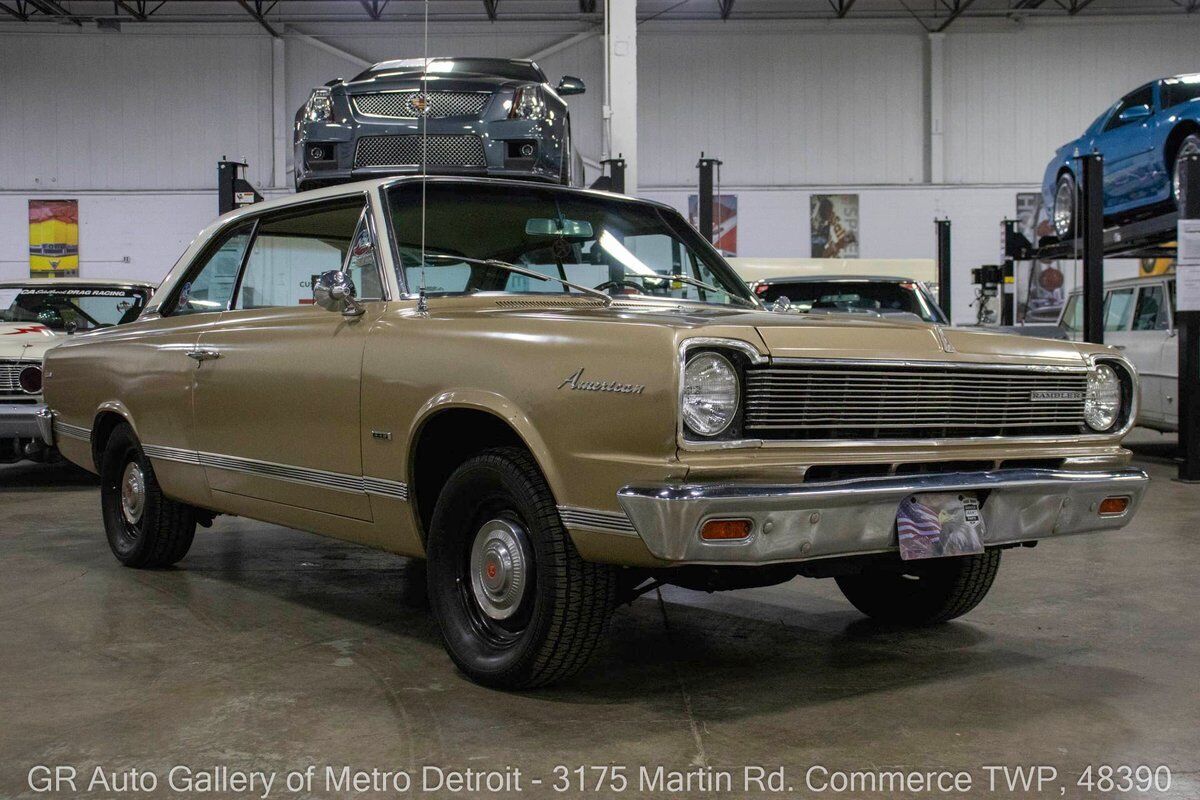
x,y
234,191
1154,237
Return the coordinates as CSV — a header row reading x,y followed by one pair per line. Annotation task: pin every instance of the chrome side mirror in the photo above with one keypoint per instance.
x,y
334,291
782,304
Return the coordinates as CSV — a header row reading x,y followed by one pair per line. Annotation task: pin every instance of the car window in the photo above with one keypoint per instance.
x,y
210,288
290,252
1118,308
1151,315
363,263
78,308
1072,318
1180,90
1139,97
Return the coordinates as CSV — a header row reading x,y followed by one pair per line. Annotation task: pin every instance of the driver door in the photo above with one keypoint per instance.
x,y
277,398
1127,149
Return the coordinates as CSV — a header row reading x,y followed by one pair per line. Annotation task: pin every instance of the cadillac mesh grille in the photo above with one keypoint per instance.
x,y
840,402
405,151
406,105
10,372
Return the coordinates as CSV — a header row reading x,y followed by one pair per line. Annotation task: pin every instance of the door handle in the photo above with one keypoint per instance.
x,y
1119,346
204,355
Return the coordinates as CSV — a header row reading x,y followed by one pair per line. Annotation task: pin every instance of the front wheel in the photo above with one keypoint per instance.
x,y
1188,147
927,592
516,605
144,527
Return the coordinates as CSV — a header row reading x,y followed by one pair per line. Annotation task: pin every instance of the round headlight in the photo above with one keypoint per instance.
x,y
30,380
1103,404
710,394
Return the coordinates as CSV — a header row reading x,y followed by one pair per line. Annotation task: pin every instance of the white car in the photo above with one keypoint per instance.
x,y
1139,320
35,315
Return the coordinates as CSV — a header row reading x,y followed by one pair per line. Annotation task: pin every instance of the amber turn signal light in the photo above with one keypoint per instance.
x,y
724,530
1113,506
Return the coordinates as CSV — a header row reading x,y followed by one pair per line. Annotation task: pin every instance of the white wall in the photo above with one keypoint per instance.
x,y
133,123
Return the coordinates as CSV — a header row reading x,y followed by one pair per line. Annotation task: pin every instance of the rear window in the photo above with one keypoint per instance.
x,y
499,67
1180,90
879,296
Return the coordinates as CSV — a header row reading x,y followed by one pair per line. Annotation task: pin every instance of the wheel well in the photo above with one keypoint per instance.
x,y
1174,139
444,442
106,422
1064,170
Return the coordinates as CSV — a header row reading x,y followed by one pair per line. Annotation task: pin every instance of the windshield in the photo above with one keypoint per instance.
x,y
884,297
500,67
620,247
83,307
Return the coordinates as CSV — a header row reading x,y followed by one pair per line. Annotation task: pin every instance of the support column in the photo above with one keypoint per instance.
x,y
281,122
1187,324
936,171
1092,224
620,106
943,266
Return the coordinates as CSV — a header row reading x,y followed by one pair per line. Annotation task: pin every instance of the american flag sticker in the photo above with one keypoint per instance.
x,y
941,524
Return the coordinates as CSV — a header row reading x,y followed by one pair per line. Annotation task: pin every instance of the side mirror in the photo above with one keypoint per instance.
x,y
782,304
334,291
1134,113
570,85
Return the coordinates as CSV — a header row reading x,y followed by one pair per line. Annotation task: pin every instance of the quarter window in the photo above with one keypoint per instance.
x,y
1151,315
291,252
210,288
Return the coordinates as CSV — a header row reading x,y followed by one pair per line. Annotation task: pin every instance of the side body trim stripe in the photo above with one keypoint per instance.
x,y
591,519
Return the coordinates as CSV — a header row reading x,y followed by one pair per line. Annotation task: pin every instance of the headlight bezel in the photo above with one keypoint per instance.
x,y
739,354
1126,415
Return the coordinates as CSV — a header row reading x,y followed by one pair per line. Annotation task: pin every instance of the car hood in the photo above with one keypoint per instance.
x,y
438,83
26,340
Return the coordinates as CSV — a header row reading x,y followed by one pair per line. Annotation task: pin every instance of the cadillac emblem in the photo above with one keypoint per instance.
x,y
419,103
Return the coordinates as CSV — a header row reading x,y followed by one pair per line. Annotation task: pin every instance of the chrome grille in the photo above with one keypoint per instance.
x,y
407,105
405,151
10,372
809,401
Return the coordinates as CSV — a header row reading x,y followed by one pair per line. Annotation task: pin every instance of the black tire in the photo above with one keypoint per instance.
x,y
1189,144
1065,188
156,532
558,613
930,592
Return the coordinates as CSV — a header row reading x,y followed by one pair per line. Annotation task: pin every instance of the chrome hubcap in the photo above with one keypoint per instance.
x,y
133,493
1064,208
1190,146
499,568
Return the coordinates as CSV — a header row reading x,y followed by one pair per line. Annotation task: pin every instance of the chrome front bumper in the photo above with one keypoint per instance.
x,y
858,517
19,421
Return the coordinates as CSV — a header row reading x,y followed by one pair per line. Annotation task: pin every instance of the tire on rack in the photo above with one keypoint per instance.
x,y
516,605
929,592
1190,145
144,528
1064,212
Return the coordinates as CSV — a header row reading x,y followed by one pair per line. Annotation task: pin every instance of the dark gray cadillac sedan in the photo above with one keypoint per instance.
x,y
485,116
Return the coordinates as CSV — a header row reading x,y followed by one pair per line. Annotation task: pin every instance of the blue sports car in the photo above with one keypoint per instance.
x,y
1143,139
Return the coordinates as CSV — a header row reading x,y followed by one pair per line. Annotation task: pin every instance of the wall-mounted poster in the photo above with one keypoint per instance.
x,y
1041,285
834,221
724,221
53,238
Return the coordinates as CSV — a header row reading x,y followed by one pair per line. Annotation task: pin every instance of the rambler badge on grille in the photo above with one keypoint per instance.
x,y
576,382
1056,397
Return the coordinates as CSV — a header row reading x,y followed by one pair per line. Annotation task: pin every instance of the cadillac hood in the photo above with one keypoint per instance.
x,y
26,340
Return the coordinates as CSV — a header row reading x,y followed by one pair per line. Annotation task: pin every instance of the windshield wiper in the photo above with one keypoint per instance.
x,y
529,273
693,281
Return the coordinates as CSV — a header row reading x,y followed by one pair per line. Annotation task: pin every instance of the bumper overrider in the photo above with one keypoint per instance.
x,y
20,421
858,517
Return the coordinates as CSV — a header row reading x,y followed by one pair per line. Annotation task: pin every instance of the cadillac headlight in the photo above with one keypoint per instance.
x,y
1102,407
320,106
710,394
527,103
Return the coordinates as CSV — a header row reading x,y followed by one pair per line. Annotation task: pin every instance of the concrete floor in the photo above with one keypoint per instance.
x,y
269,649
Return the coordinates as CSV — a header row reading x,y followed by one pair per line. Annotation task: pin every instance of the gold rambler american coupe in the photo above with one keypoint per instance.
x,y
562,398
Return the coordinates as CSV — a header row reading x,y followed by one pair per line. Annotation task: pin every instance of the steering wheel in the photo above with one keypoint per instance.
x,y
637,288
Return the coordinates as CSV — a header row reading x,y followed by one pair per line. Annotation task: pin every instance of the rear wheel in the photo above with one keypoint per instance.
x,y
1188,147
144,527
516,604
929,592
1066,200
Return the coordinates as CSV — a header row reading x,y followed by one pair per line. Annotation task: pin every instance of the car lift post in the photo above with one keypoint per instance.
x,y
704,200
1092,227
616,173
943,265
1187,324
233,191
